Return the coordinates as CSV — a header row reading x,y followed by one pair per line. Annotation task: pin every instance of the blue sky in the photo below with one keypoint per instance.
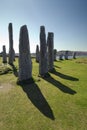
x,y
66,18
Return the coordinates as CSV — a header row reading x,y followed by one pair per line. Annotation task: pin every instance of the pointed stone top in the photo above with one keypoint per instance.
x,y
10,28
3,46
23,28
10,25
4,49
37,46
42,28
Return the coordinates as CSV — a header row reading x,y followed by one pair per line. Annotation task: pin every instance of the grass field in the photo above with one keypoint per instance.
x,y
58,102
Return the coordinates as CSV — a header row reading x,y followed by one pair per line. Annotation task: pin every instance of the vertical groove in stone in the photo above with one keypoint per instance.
x,y
43,65
25,63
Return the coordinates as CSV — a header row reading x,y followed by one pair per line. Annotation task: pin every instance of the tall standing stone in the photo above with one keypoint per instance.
x,y
55,54
43,65
37,53
25,63
66,55
74,55
61,56
11,50
50,43
4,56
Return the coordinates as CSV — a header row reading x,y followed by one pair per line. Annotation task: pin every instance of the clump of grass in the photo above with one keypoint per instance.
x,y
82,61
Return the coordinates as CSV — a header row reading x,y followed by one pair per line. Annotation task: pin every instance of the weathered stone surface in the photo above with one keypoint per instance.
x,y
11,50
4,56
55,54
50,45
66,55
25,63
37,53
43,65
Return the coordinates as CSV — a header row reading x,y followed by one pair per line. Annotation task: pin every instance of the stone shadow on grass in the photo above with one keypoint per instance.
x,y
59,85
14,70
5,71
67,77
9,70
38,100
57,66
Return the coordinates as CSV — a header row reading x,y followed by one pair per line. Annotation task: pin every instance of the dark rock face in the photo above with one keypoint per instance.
x,y
37,53
50,44
11,50
43,63
4,56
25,63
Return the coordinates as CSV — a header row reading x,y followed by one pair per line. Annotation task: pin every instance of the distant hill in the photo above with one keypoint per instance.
x,y
70,53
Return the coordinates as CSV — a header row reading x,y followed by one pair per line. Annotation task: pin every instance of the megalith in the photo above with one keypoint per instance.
x,y
66,55
25,63
43,63
74,55
61,56
50,44
55,54
37,53
4,56
11,50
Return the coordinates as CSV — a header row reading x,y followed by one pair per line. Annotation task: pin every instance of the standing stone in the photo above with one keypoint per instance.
x,y
66,55
43,65
4,56
25,63
55,54
13,54
74,55
61,57
11,50
37,53
50,44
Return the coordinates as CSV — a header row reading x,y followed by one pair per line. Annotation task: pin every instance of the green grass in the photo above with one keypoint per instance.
x,y
58,102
